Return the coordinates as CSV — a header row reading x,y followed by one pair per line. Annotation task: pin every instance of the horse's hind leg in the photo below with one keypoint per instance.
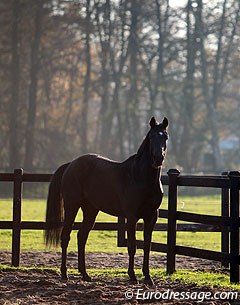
x,y
89,216
65,236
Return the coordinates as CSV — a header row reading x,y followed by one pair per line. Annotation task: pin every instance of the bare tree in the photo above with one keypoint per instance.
x,y
109,65
131,113
117,63
188,95
104,31
87,80
219,72
32,104
14,159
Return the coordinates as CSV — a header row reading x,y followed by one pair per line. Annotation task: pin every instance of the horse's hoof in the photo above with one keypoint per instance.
x,y
148,282
87,278
64,278
133,281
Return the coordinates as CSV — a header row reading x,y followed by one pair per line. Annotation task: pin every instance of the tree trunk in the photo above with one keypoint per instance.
x,y
132,102
14,158
87,80
188,97
32,103
105,34
117,63
211,108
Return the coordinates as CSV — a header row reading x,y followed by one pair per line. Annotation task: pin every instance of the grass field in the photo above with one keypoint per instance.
x,y
199,278
34,210
105,241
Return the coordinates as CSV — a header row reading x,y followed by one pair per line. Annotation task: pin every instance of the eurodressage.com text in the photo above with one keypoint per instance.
x,y
198,296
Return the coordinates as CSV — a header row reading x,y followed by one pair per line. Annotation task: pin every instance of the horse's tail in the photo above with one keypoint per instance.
x,y
55,210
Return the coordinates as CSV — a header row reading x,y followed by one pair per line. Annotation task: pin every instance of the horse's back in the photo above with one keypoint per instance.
x,y
103,186
74,174
85,165
78,169
95,180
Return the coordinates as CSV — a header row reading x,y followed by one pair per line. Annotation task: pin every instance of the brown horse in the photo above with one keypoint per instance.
x,y
131,189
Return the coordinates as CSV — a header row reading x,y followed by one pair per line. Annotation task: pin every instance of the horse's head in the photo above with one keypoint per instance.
x,y
158,141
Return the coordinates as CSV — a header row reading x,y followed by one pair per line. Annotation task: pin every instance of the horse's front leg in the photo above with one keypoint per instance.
x,y
149,224
131,235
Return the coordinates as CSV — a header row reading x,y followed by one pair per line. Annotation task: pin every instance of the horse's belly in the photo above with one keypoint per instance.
x,y
105,200
109,207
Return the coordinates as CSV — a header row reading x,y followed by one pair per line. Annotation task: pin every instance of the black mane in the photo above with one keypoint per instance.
x,y
143,146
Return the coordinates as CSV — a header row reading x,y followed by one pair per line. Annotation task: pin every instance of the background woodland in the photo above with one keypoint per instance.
x,y
83,76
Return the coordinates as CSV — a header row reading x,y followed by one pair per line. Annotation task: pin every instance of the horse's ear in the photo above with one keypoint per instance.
x,y
153,122
165,123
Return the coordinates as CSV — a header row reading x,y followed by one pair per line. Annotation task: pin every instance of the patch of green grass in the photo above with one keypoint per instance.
x,y
202,278
11,268
98,241
198,278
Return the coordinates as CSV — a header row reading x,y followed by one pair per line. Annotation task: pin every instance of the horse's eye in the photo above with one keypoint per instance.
x,y
160,133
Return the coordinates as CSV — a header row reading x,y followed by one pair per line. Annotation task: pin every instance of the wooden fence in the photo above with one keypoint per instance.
x,y
228,224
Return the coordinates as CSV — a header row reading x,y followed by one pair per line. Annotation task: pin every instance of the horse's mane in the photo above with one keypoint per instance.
x,y
142,146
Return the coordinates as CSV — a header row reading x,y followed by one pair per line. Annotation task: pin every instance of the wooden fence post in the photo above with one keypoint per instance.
x,y
225,213
121,232
172,220
234,226
16,227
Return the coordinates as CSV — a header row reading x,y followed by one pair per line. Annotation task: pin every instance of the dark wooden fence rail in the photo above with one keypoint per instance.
x,y
229,183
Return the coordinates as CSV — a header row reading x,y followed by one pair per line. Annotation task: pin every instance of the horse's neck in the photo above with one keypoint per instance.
x,y
144,171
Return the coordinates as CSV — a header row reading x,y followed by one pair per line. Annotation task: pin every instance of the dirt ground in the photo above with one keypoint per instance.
x,y
37,286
